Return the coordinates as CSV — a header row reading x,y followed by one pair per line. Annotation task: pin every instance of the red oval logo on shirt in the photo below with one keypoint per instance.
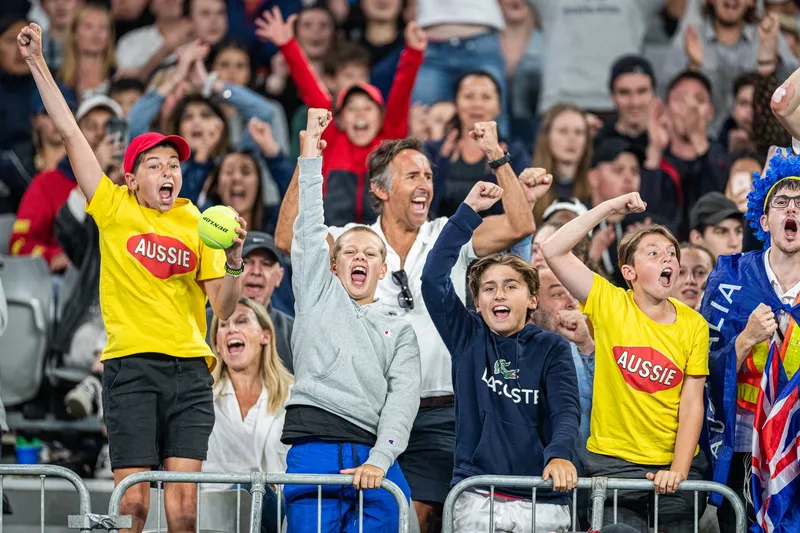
x,y
646,369
162,256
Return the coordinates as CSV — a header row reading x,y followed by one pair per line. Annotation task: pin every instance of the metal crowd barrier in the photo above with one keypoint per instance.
x,y
258,482
85,521
599,487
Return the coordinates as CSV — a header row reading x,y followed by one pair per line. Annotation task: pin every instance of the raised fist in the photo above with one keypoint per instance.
x,y
318,120
483,196
486,135
29,41
760,325
311,143
627,203
535,183
571,324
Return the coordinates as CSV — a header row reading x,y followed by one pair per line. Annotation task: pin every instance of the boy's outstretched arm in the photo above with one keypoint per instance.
x,y
310,252
557,250
284,228
272,27
501,232
452,320
84,163
395,122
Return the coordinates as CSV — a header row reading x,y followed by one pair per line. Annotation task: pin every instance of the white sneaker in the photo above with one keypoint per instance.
x,y
85,399
103,468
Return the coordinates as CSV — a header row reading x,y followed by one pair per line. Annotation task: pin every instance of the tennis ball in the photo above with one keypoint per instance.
x,y
217,227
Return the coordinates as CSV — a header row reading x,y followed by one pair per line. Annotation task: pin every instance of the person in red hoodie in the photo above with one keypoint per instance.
x,y
362,119
34,228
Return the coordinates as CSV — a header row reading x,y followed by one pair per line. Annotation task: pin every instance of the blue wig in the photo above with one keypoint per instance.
x,y
784,164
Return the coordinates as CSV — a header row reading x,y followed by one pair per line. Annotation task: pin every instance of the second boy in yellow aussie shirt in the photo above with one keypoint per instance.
x,y
651,363
154,278
640,366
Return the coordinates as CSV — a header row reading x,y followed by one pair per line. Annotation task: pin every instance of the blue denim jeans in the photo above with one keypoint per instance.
x,y
446,61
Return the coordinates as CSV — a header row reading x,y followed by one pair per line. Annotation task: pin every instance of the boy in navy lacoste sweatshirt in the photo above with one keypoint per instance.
x,y
516,391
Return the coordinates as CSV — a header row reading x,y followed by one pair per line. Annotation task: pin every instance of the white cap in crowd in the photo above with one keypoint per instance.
x,y
96,101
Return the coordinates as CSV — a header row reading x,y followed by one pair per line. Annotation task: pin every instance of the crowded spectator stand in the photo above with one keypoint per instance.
x,y
677,104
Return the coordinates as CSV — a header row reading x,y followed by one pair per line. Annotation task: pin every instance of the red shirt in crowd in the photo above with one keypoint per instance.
x,y
34,229
341,154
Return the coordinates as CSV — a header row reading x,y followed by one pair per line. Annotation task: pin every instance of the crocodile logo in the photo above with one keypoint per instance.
x,y
501,367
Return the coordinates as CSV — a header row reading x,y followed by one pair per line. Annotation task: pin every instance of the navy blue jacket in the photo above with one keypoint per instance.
x,y
517,403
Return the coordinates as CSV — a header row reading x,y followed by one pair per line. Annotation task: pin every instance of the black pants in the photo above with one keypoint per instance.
x,y
741,467
157,406
636,508
427,462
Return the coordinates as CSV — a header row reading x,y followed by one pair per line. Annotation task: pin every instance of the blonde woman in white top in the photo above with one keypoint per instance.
x,y
251,387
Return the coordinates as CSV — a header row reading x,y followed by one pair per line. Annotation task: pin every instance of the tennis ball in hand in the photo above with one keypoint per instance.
x,y
217,227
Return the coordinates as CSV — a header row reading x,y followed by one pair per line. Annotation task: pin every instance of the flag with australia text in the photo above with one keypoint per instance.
x,y
776,443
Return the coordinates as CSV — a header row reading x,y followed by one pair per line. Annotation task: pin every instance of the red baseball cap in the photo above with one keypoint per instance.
x,y
370,90
145,141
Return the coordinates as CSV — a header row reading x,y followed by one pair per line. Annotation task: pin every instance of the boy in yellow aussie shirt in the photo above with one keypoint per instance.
x,y
651,360
155,274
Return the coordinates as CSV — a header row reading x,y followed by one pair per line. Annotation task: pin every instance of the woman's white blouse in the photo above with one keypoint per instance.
x,y
241,445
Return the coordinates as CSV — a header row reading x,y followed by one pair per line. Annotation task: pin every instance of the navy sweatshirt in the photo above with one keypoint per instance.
x,y
517,404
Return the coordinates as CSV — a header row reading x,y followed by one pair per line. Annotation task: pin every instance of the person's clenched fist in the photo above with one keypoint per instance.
x,y
535,183
761,325
29,41
318,120
486,135
483,195
628,203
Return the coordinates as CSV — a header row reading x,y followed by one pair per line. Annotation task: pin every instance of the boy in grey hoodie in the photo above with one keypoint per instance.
x,y
357,369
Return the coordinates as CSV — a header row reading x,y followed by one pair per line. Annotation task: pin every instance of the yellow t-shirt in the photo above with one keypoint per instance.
x,y
150,266
639,370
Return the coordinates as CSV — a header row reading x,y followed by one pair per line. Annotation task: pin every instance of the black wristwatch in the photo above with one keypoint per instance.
x,y
232,272
497,163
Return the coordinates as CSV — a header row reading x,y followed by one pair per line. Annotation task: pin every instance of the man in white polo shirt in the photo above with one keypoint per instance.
x,y
402,190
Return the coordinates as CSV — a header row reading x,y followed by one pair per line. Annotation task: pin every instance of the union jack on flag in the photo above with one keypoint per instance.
x,y
776,443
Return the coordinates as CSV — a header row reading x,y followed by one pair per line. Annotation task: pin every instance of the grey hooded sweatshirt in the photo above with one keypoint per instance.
x,y
354,361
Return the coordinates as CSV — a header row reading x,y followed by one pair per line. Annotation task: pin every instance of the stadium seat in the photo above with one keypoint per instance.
x,y
6,225
70,281
23,347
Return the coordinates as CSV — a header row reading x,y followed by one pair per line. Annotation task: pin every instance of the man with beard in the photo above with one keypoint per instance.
x,y
263,272
402,189
751,303
558,311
